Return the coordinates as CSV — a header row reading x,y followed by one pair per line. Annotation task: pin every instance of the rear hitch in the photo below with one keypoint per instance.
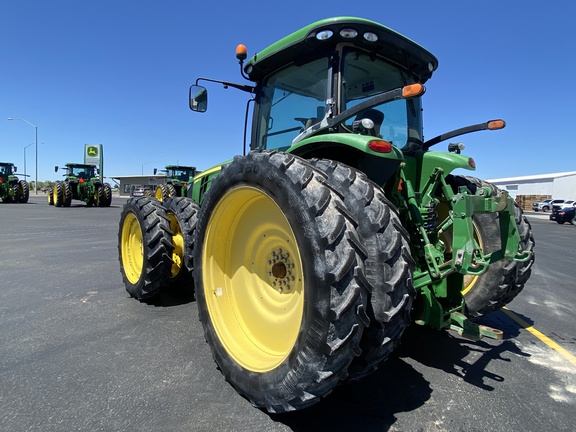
x,y
466,328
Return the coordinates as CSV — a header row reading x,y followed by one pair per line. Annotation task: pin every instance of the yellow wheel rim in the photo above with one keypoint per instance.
x,y
253,279
178,240
55,195
446,236
132,248
470,280
158,194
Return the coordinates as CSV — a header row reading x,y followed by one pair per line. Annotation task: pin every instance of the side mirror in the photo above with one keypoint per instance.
x,y
56,168
15,168
155,171
198,96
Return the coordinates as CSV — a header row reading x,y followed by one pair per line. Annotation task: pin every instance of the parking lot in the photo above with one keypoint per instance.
x,y
77,353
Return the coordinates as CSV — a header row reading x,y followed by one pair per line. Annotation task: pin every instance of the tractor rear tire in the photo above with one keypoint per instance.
x,y
183,215
278,269
24,191
388,267
504,279
50,195
144,242
107,195
172,192
58,193
100,197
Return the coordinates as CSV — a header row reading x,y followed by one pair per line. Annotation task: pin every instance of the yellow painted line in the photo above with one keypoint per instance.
x,y
569,356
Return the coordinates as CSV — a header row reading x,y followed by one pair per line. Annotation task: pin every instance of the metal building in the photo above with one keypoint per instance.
x,y
556,185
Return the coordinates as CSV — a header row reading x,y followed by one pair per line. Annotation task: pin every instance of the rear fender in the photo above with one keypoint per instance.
x,y
422,165
202,182
353,150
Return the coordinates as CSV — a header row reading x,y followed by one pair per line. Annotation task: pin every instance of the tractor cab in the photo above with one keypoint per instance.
x,y
79,172
7,169
347,89
180,173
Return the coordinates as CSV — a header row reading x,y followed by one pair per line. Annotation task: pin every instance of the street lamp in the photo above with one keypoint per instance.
x,y
145,164
25,147
36,129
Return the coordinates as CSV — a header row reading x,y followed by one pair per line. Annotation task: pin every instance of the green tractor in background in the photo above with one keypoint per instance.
x,y
178,177
313,252
81,182
12,189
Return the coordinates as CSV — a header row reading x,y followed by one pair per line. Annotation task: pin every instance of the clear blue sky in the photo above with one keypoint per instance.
x,y
117,73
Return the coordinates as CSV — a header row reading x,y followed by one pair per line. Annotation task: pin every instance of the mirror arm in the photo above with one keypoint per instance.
x,y
226,84
458,132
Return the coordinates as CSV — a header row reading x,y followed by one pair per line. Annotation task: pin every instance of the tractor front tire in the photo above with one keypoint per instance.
x,y
67,191
388,267
504,279
144,242
278,269
15,193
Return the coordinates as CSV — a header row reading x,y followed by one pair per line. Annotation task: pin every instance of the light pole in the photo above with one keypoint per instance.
x,y
36,129
25,147
145,164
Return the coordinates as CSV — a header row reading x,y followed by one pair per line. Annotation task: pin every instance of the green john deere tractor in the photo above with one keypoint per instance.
x,y
12,189
178,177
312,252
81,182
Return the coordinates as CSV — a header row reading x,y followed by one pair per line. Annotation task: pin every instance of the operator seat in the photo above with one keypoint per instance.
x,y
376,116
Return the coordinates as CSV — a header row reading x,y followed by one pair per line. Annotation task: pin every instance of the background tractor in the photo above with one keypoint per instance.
x,y
178,177
81,182
312,252
12,189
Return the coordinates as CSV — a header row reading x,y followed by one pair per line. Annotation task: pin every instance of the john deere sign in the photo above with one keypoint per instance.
x,y
93,154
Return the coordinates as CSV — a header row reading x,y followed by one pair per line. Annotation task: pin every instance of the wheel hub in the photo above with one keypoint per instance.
x,y
281,270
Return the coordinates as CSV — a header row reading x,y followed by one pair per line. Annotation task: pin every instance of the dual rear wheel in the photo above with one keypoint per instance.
x,y
504,279
155,243
286,271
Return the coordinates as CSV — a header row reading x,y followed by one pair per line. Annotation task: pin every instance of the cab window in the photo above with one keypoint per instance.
x,y
292,100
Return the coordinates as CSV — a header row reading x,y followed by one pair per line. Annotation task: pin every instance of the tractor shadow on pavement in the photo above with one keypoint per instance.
x,y
401,384
172,296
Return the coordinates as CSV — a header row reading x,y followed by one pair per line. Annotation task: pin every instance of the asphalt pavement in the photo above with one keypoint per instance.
x,y
78,354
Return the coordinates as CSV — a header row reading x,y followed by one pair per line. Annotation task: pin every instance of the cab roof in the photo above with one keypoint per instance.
x,y
71,164
392,45
182,167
